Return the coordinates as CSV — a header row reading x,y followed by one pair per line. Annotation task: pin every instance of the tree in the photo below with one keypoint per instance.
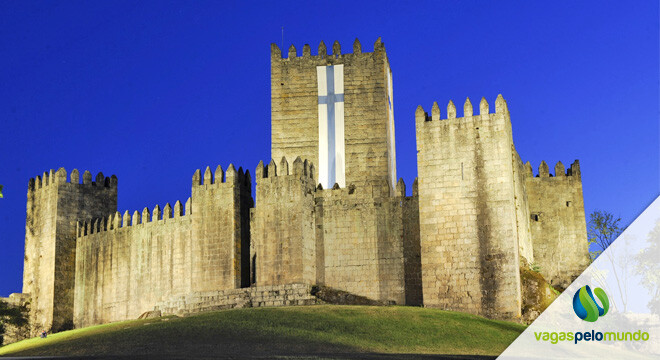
x,y
11,315
0,191
603,230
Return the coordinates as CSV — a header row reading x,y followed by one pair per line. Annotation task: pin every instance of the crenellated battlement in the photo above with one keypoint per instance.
x,y
60,177
322,53
231,177
300,168
337,191
560,170
422,116
371,189
117,221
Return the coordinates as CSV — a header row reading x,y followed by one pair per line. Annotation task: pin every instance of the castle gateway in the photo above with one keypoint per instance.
x,y
328,211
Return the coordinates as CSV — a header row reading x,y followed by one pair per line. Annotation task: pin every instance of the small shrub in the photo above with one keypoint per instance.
x,y
535,267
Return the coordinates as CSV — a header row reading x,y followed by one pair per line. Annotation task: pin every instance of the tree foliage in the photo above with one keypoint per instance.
x,y
603,229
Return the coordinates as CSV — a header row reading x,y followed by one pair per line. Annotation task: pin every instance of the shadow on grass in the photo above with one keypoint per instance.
x,y
313,356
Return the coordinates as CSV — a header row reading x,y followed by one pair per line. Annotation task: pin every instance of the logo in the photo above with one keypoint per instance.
x,y
585,305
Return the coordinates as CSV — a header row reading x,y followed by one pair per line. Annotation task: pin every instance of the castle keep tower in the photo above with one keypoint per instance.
x,y
54,206
348,232
336,111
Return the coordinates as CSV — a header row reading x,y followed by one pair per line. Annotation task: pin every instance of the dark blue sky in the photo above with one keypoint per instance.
x,y
152,91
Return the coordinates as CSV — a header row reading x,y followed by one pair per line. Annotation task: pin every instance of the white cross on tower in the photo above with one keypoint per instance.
x,y
331,125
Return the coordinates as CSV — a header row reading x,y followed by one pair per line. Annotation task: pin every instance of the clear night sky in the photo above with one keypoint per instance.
x,y
152,91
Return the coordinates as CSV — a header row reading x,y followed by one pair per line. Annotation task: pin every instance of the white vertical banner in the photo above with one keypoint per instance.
x,y
332,160
390,130
322,165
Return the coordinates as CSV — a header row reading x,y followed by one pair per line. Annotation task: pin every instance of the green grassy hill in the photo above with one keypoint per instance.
x,y
310,332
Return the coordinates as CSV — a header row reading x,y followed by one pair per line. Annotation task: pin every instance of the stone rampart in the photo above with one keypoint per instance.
x,y
126,264
558,225
220,234
283,232
522,209
13,333
411,245
363,240
55,203
468,230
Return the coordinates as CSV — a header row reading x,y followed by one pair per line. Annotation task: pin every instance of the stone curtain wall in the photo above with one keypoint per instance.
x,y
283,233
468,231
363,240
126,264
558,224
294,107
350,239
15,333
218,229
39,271
522,209
411,247
55,204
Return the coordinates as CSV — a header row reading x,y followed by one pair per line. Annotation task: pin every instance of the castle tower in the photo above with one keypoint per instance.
x,y
220,233
470,226
54,206
336,111
283,231
558,224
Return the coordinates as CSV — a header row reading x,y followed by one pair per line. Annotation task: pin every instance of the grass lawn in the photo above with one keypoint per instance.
x,y
289,332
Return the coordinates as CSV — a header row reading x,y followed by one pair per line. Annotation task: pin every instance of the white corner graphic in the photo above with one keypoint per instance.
x,y
628,272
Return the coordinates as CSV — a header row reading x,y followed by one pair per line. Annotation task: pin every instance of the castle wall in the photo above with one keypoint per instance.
x,y
39,261
126,264
55,203
476,212
363,241
558,224
13,333
468,230
522,209
369,143
283,233
348,238
218,229
411,248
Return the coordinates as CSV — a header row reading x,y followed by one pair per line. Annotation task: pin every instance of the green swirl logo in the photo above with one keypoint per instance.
x,y
585,305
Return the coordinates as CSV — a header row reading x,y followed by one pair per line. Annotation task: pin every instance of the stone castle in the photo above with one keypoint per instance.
x,y
328,211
